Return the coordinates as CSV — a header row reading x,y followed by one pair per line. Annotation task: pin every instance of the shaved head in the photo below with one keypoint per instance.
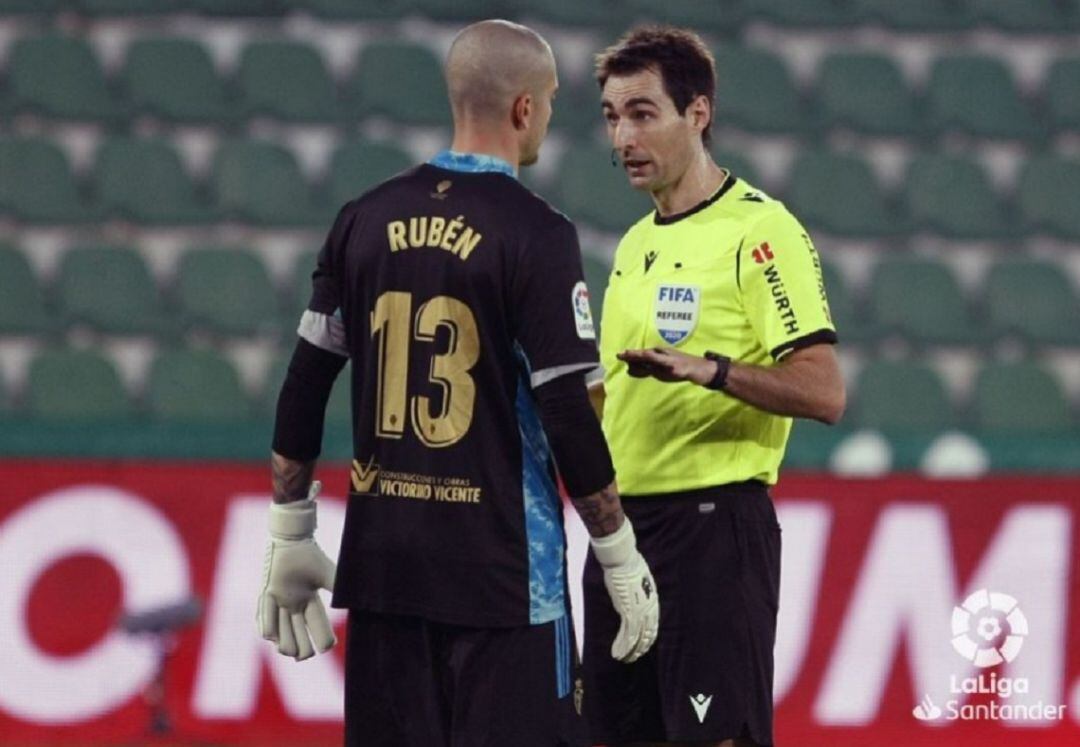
x,y
491,63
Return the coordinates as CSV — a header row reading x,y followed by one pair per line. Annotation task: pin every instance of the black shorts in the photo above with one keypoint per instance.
x,y
715,554
410,682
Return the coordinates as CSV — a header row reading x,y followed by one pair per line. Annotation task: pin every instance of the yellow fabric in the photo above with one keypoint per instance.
x,y
755,278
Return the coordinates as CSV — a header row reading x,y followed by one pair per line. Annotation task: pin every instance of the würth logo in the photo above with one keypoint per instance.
x,y
762,253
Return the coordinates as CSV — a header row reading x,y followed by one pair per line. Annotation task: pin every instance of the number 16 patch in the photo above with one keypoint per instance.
x,y
676,311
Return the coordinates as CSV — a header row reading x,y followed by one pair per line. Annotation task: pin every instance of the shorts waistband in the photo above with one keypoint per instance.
x,y
713,492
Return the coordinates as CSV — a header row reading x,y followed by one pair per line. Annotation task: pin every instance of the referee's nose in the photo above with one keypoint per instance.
x,y
623,138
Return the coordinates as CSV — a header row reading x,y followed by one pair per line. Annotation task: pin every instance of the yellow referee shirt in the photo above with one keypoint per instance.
x,y
736,275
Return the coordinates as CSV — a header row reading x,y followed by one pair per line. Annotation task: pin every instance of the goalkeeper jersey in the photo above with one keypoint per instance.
x,y
736,275
454,291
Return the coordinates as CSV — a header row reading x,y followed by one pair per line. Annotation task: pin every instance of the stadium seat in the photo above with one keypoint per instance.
x,y
174,79
195,386
288,80
227,291
127,7
144,180
805,13
1020,398
1062,94
755,92
840,194
260,183
952,196
851,326
576,110
1028,16
358,166
110,289
350,9
36,183
59,77
462,10
36,7
22,304
603,15
239,7
1047,195
920,299
594,191
300,292
901,397
916,15
719,16
976,94
401,81
72,385
1034,299
738,164
865,92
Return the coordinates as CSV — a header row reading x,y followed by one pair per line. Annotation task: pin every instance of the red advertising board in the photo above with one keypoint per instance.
x,y
912,611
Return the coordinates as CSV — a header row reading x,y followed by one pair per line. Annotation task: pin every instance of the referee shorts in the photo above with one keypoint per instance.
x,y
411,682
715,555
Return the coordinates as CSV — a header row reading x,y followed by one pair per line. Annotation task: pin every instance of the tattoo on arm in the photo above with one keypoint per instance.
x,y
601,511
291,478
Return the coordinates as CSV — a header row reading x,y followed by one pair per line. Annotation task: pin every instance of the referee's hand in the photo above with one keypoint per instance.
x,y
668,364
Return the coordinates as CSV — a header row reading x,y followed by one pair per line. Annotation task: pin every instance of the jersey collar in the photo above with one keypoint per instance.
x,y
472,163
666,220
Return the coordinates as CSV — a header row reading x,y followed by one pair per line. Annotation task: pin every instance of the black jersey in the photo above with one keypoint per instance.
x,y
457,293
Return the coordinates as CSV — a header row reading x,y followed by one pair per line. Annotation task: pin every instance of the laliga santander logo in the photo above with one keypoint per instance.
x,y
988,628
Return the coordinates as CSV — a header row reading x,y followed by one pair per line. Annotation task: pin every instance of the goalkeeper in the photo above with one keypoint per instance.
x,y
716,332
459,297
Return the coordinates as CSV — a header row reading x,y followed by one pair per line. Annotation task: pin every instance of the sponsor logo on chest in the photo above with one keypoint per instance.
x,y
676,311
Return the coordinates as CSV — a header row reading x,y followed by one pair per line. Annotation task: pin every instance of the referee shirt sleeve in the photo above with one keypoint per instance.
x,y
781,285
550,305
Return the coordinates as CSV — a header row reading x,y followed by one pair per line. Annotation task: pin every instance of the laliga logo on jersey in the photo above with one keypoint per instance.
x,y
676,311
979,628
579,298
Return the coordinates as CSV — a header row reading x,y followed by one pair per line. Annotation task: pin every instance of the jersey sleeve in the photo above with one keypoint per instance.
x,y
550,303
782,288
321,324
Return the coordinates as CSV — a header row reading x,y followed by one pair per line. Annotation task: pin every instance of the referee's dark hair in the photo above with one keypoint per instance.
x,y
682,59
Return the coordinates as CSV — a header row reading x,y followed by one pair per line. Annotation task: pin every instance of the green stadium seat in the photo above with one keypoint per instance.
x,y
1062,94
36,7
36,183
1034,299
70,385
976,94
597,271
385,70
461,10
594,191
239,7
719,16
920,299
110,289
805,13
300,292
600,14
1047,194
288,80
1028,16
851,326
840,194
576,110
22,304
195,386
351,9
901,397
59,77
358,166
916,15
127,7
260,182
867,93
1020,398
738,164
144,180
174,79
952,196
227,291
755,91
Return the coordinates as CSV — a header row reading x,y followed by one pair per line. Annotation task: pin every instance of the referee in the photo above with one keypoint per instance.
x,y
716,333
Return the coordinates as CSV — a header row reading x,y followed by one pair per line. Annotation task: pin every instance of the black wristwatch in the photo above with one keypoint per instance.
x,y
723,365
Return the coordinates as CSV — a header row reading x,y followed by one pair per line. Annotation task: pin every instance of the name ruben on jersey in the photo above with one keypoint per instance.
x,y
434,232
676,311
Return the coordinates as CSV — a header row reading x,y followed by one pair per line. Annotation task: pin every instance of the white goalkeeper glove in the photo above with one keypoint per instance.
x,y
290,612
633,592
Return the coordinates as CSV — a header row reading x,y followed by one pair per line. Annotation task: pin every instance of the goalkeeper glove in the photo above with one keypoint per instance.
x,y
633,592
294,570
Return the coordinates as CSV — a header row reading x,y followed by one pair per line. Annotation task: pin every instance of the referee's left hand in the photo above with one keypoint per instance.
x,y
668,364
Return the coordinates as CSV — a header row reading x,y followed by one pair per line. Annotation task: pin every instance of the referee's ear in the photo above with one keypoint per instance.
x,y
699,113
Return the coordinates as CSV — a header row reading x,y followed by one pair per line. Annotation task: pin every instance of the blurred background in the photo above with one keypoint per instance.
x,y
169,168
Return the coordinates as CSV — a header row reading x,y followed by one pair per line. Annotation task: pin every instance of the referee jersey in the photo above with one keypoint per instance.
x,y
737,275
